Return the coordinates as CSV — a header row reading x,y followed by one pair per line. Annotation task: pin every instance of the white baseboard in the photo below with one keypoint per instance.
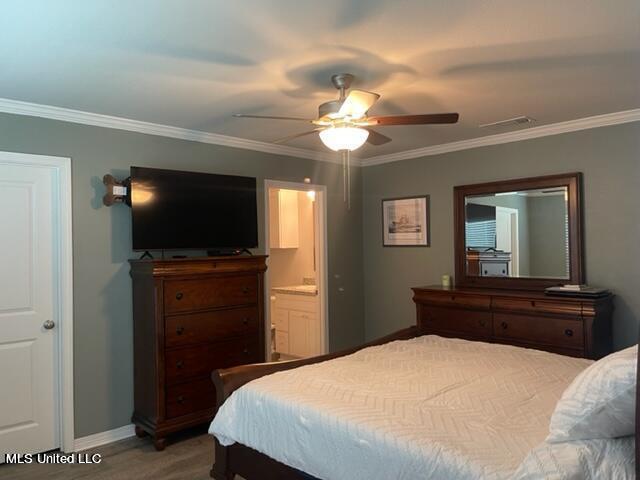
x,y
102,438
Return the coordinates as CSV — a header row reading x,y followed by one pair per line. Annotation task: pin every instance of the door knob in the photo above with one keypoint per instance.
x,y
49,324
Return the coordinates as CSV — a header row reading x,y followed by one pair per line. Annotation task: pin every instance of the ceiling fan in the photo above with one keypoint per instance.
x,y
344,124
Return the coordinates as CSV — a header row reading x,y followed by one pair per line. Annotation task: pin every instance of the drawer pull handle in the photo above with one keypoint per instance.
x,y
533,304
483,323
180,399
568,332
504,325
246,351
179,330
453,298
245,289
179,364
245,321
179,296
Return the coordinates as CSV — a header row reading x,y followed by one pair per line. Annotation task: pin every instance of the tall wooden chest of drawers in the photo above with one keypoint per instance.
x,y
579,327
191,316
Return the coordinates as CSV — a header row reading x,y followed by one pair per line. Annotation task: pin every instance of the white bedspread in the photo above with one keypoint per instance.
x,y
428,407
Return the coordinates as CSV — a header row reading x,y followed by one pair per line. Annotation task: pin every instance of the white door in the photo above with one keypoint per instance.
x,y
28,366
507,236
503,229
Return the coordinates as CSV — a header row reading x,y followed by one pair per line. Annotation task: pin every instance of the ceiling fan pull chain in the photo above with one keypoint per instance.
x,y
348,180
344,174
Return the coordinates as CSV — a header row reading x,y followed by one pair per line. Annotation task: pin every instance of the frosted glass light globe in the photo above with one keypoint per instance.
x,y
344,138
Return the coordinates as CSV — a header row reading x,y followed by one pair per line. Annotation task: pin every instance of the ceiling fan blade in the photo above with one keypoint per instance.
x,y
376,138
426,119
357,103
271,117
291,137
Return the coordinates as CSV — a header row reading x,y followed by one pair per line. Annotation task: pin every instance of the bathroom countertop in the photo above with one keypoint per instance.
x,y
309,290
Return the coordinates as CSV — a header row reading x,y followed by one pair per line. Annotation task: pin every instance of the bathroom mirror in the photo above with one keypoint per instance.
x,y
519,233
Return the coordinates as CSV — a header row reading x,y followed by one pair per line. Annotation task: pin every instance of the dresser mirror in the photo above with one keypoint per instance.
x,y
519,233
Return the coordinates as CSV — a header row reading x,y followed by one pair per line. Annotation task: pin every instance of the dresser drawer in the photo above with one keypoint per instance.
x,y
456,300
187,295
188,362
190,397
573,309
202,327
560,332
452,321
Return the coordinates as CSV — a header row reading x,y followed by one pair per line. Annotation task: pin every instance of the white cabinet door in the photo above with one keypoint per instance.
x,y
28,418
298,335
289,228
304,340
282,342
284,230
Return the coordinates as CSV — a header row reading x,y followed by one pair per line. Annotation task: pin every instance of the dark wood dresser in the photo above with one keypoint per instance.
x,y
571,326
191,316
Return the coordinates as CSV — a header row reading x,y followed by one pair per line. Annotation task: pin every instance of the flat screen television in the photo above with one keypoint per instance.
x,y
175,210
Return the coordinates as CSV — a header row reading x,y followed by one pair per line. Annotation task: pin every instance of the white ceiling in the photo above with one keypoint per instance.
x,y
191,64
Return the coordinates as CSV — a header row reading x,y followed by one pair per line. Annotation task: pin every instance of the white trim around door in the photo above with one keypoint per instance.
x,y
321,241
63,292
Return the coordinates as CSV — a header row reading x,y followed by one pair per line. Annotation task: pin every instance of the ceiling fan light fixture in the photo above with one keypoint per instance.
x,y
344,138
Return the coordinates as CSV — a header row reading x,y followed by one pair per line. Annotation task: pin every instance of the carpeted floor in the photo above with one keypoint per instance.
x,y
188,456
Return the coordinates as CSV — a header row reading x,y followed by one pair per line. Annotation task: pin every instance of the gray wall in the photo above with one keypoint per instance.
x,y
101,245
609,157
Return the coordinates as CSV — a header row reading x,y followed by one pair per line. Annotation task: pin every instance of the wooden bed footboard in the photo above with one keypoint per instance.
x,y
241,460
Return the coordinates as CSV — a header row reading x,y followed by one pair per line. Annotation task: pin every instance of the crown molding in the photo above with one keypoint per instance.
x,y
616,118
18,107
98,120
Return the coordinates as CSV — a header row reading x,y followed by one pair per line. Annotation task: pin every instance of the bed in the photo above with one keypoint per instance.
x,y
407,406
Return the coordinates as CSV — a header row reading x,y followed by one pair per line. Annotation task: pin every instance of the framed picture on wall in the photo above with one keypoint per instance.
x,y
405,222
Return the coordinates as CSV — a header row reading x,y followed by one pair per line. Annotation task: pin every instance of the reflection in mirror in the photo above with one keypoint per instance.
x,y
518,234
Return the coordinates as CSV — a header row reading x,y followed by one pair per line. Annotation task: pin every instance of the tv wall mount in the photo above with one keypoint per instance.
x,y
118,191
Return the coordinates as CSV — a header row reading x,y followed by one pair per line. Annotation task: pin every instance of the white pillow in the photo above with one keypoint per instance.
x,y
600,402
610,458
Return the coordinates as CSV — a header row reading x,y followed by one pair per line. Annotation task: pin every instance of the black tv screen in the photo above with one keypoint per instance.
x,y
186,210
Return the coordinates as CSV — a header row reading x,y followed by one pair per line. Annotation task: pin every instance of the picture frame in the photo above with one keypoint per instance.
x,y
405,222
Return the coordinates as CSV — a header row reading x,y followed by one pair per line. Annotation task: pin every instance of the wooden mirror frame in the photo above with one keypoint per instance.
x,y
573,182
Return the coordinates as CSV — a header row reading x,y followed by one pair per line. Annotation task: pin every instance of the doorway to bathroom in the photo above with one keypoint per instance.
x,y
295,282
